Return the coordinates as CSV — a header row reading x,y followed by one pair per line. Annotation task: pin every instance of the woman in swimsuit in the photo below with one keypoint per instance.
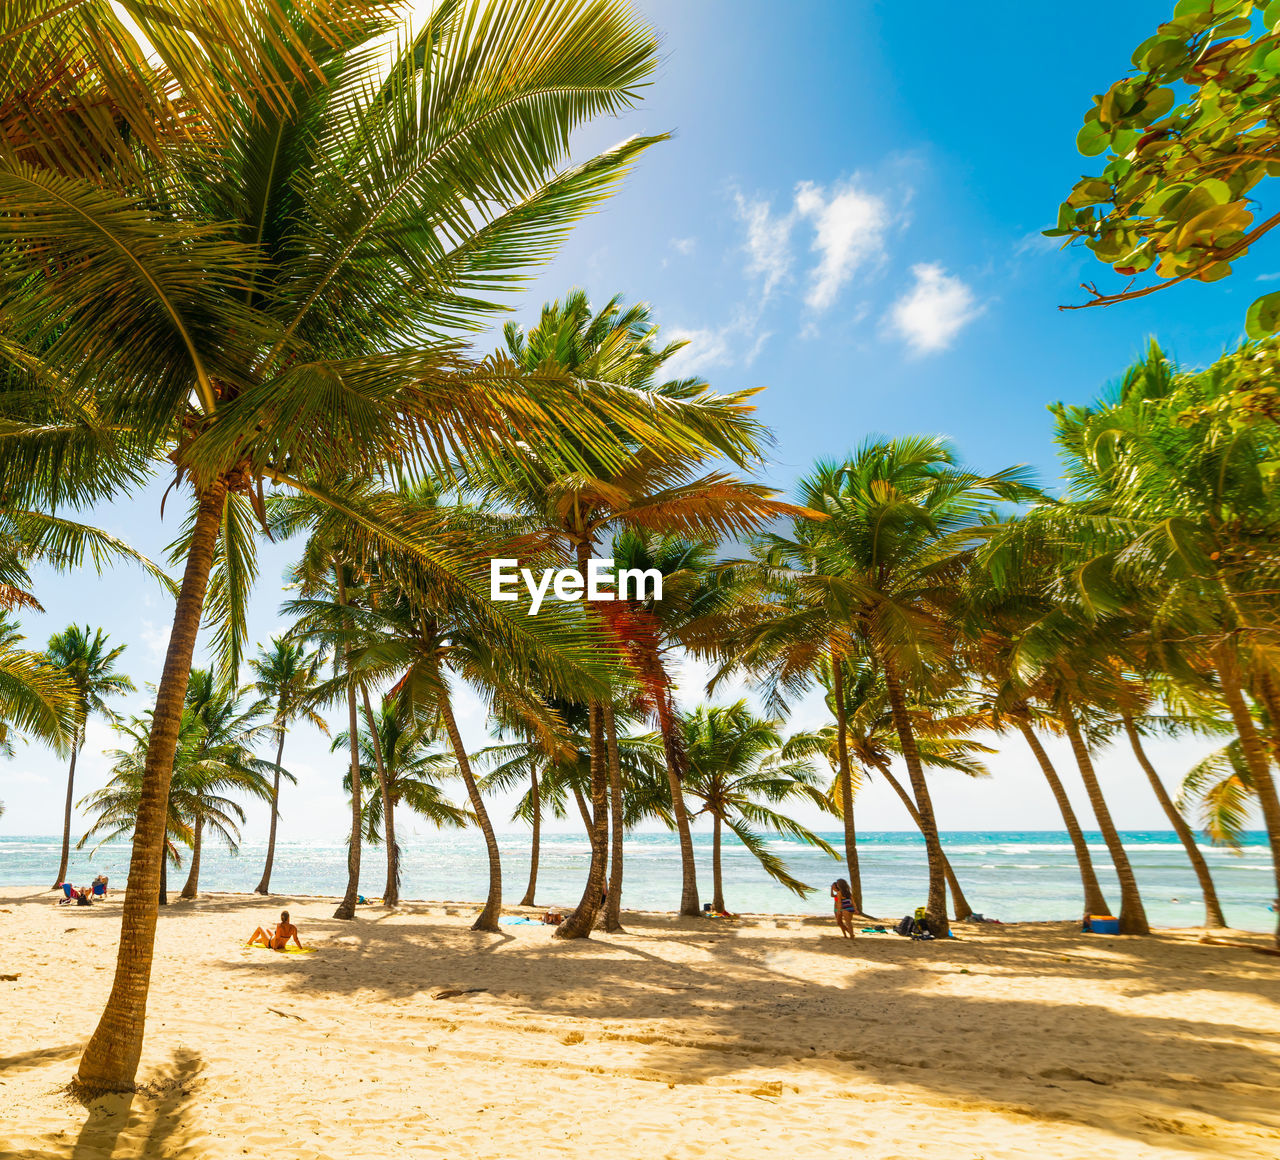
x,y
843,896
278,941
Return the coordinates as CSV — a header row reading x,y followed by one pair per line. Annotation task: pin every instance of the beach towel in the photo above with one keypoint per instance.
x,y
286,951
517,919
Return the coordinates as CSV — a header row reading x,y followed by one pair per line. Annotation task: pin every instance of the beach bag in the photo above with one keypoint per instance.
x,y
906,928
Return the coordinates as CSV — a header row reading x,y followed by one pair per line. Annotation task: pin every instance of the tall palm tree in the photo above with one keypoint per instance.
x,y
668,490
738,773
224,728
284,674
84,658
245,311
411,767
901,523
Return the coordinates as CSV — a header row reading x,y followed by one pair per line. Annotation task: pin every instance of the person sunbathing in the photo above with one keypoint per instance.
x,y
285,931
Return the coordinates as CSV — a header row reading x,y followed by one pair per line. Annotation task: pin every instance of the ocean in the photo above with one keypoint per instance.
x,y
1013,876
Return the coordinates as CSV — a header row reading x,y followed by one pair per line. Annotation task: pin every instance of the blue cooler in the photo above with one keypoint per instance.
x,y
1102,924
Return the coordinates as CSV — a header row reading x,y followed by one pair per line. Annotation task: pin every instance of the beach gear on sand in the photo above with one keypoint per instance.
x,y
1101,924
287,950
68,894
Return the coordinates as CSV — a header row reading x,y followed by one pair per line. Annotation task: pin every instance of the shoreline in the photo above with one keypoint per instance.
x,y
451,907
405,1033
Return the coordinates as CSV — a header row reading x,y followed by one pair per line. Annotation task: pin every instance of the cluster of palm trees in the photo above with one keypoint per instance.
x,y
253,250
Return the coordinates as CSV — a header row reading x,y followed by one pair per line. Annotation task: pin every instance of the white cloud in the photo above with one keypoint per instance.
x,y
706,348
849,227
768,243
156,639
934,310
683,245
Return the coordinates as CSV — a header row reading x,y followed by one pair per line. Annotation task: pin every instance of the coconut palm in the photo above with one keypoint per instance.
x,y
285,675
660,489
35,698
83,657
413,625
220,759
872,743
244,311
737,771
1179,522
556,765
411,766
902,523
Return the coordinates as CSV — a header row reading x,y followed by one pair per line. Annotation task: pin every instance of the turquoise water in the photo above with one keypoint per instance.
x,y
1010,875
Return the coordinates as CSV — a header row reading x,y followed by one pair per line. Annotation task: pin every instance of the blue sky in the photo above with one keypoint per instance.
x,y
848,215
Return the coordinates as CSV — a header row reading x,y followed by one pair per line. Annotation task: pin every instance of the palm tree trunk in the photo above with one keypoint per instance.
x,y
1212,907
1255,754
66,819
613,904
347,907
535,804
488,917
391,892
689,904
264,884
959,903
192,884
846,782
1133,917
110,1061
163,898
936,907
717,876
580,922
584,810
1094,902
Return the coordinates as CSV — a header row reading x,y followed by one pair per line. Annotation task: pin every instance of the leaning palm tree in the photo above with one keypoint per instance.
x,y
901,524
240,304
402,766
1183,515
738,773
84,658
285,675
225,725
663,489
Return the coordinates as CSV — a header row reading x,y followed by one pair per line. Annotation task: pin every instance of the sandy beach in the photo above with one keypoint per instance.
x,y
762,1037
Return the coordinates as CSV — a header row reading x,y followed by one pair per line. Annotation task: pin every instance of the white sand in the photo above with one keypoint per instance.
x,y
764,1038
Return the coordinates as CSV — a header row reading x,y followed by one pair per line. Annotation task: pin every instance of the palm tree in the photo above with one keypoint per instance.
x,y
116,805
872,743
34,697
653,488
735,759
90,666
878,575
556,765
222,300
219,759
411,625
409,772
284,674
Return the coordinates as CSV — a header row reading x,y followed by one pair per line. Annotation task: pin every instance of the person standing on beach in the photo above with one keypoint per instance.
x,y
843,895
